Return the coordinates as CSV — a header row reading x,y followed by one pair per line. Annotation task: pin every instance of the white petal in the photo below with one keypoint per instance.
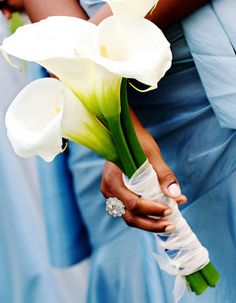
x,y
108,92
76,117
129,9
139,51
53,37
33,120
95,86
78,75
80,126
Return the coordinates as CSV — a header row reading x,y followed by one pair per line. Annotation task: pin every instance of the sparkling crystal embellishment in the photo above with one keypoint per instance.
x,y
114,207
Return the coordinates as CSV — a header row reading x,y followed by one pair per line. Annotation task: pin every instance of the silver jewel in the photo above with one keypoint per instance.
x,y
114,207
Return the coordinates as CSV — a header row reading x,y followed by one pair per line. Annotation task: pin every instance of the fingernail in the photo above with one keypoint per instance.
x,y
174,189
167,212
170,228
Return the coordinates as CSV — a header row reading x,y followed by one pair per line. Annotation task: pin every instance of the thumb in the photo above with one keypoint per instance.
x,y
168,182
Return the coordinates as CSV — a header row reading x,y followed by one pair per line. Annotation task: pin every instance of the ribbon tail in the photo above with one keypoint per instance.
x,y
180,282
179,289
165,264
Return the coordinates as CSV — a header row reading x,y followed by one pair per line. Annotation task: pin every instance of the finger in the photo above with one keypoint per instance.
x,y
7,13
168,181
148,224
144,207
113,186
134,203
181,199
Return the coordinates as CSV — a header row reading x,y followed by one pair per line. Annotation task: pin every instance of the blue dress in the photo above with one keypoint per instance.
x,y
180,116
25,275
25,272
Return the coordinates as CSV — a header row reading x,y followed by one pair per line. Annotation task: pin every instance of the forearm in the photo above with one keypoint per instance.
x,y
41,9
103,13
168,12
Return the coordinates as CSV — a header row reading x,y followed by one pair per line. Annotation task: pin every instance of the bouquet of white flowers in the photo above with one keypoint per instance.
x,y
89,105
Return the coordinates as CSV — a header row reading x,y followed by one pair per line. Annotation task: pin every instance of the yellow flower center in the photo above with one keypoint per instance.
x,y
57,109
103,51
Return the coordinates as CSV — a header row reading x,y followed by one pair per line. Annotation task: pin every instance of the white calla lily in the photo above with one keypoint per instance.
x,y
46,111
53,37
61,45
139,51
130,9
92,60
96,87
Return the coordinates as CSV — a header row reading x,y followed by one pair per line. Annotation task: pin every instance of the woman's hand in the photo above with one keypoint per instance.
x,y
138,209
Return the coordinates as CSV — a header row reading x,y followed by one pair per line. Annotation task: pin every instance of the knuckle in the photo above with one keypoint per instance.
x,y
167,174
106,179
159,226
158,229
107,185
103,190
129,220
133,205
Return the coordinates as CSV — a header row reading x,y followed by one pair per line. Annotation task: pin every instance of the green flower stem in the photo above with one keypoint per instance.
x,y
197,283
207,276
119,164
210,274
121,146
128,128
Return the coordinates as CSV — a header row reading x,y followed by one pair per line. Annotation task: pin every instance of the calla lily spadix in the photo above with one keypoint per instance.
x,y
46,111
91,59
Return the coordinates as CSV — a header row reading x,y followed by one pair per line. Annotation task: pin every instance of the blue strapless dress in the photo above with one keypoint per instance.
x,y
202,155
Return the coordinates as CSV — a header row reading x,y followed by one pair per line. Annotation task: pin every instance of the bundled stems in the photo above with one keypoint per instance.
x,y
121,146
200,280
197,283
128,128
210,274
132,157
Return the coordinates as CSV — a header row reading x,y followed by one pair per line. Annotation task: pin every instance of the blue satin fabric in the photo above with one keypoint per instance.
x,y
211,35
25,274
91,6
202,155
62,215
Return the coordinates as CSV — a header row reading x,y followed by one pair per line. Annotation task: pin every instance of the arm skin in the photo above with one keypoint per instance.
x,y
168,12
162,16
137,209
40,9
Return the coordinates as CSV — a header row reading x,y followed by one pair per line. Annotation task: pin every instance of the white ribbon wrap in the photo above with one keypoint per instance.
x,y
184,253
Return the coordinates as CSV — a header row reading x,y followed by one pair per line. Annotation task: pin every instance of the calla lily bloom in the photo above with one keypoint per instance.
x,y
46,111
96,87
139,51
91,59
